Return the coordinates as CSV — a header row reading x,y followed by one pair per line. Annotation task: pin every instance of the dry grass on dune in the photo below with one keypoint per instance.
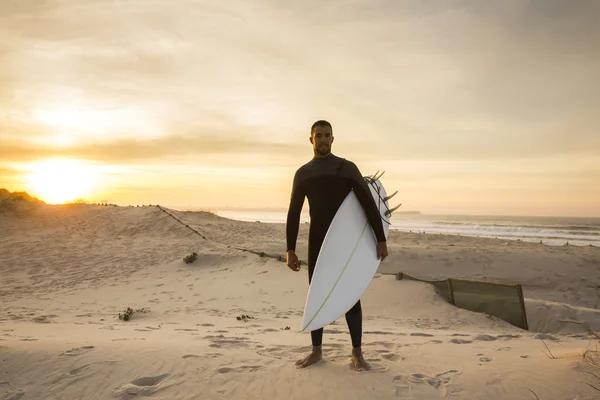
x,y
590,356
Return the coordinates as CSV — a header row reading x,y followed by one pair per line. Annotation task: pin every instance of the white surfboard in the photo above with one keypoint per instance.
x,y
347,260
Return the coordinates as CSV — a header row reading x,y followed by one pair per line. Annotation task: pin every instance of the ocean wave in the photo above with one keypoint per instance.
x,y
523,226
514,232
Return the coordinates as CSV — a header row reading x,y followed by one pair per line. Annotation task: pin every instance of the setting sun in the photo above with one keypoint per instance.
x,y
62,180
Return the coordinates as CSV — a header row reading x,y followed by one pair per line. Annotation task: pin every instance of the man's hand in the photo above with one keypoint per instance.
x,y
382,251
292,260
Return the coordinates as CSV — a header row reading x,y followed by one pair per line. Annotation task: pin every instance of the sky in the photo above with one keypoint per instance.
x,y
470,107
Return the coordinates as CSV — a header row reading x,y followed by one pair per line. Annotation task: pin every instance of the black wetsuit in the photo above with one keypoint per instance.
x,y
326,182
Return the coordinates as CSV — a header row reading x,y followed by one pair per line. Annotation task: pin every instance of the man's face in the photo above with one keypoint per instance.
x,y
321,139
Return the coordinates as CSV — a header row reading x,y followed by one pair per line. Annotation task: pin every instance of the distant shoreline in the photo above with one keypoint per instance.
x,y
279,209
398,212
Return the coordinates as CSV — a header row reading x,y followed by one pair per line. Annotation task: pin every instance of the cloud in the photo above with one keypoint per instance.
x,y
475,59
241,81
127,151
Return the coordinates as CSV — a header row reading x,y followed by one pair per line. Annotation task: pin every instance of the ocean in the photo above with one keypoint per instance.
x,y
554,231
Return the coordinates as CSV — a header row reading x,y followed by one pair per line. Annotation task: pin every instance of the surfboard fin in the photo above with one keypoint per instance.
x,y
390,196
391,210
376,177
373,177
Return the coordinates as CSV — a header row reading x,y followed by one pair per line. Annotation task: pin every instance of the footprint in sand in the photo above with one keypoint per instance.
x,y
206,355
77,371
44,319
71,376
485,359
379,333
387,354
461,341
418,385
153,328
142,387
228,342
545,336
495,381
392,357
149,380
485,338
9,392
77,351
509,336
239,369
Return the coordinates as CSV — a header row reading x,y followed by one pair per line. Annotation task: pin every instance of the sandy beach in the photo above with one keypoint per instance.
x,y
227,326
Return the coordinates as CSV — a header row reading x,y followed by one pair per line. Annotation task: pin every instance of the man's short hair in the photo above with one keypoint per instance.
x,y
320,122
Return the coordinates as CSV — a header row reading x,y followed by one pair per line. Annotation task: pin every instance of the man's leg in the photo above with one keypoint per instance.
x,y
317,335
354,321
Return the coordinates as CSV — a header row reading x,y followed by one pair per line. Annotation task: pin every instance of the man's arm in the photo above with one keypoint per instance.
x,y
363,194
293,223
293,216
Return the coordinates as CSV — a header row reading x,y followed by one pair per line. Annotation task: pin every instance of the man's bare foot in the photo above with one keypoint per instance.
x,y
313,357
358,361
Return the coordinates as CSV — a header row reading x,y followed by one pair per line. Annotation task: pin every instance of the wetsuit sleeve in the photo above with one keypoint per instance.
x,y
293,217
366,200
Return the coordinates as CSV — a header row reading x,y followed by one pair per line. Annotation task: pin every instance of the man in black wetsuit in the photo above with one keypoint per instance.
x,y
326,180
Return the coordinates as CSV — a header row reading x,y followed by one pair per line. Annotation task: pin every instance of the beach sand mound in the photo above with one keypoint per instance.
x,y
4,194
227,324
17,203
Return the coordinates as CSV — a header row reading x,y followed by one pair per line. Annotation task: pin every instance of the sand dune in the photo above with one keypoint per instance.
x,y
227,325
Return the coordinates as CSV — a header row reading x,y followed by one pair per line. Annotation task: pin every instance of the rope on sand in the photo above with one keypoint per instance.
x,y
181,222
262,254
259,253
278,257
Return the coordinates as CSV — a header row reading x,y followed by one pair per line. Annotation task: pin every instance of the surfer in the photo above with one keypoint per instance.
x,y
326,180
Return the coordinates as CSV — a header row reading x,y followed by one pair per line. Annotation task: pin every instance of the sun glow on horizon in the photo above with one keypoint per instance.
x,y
58,181
68,125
